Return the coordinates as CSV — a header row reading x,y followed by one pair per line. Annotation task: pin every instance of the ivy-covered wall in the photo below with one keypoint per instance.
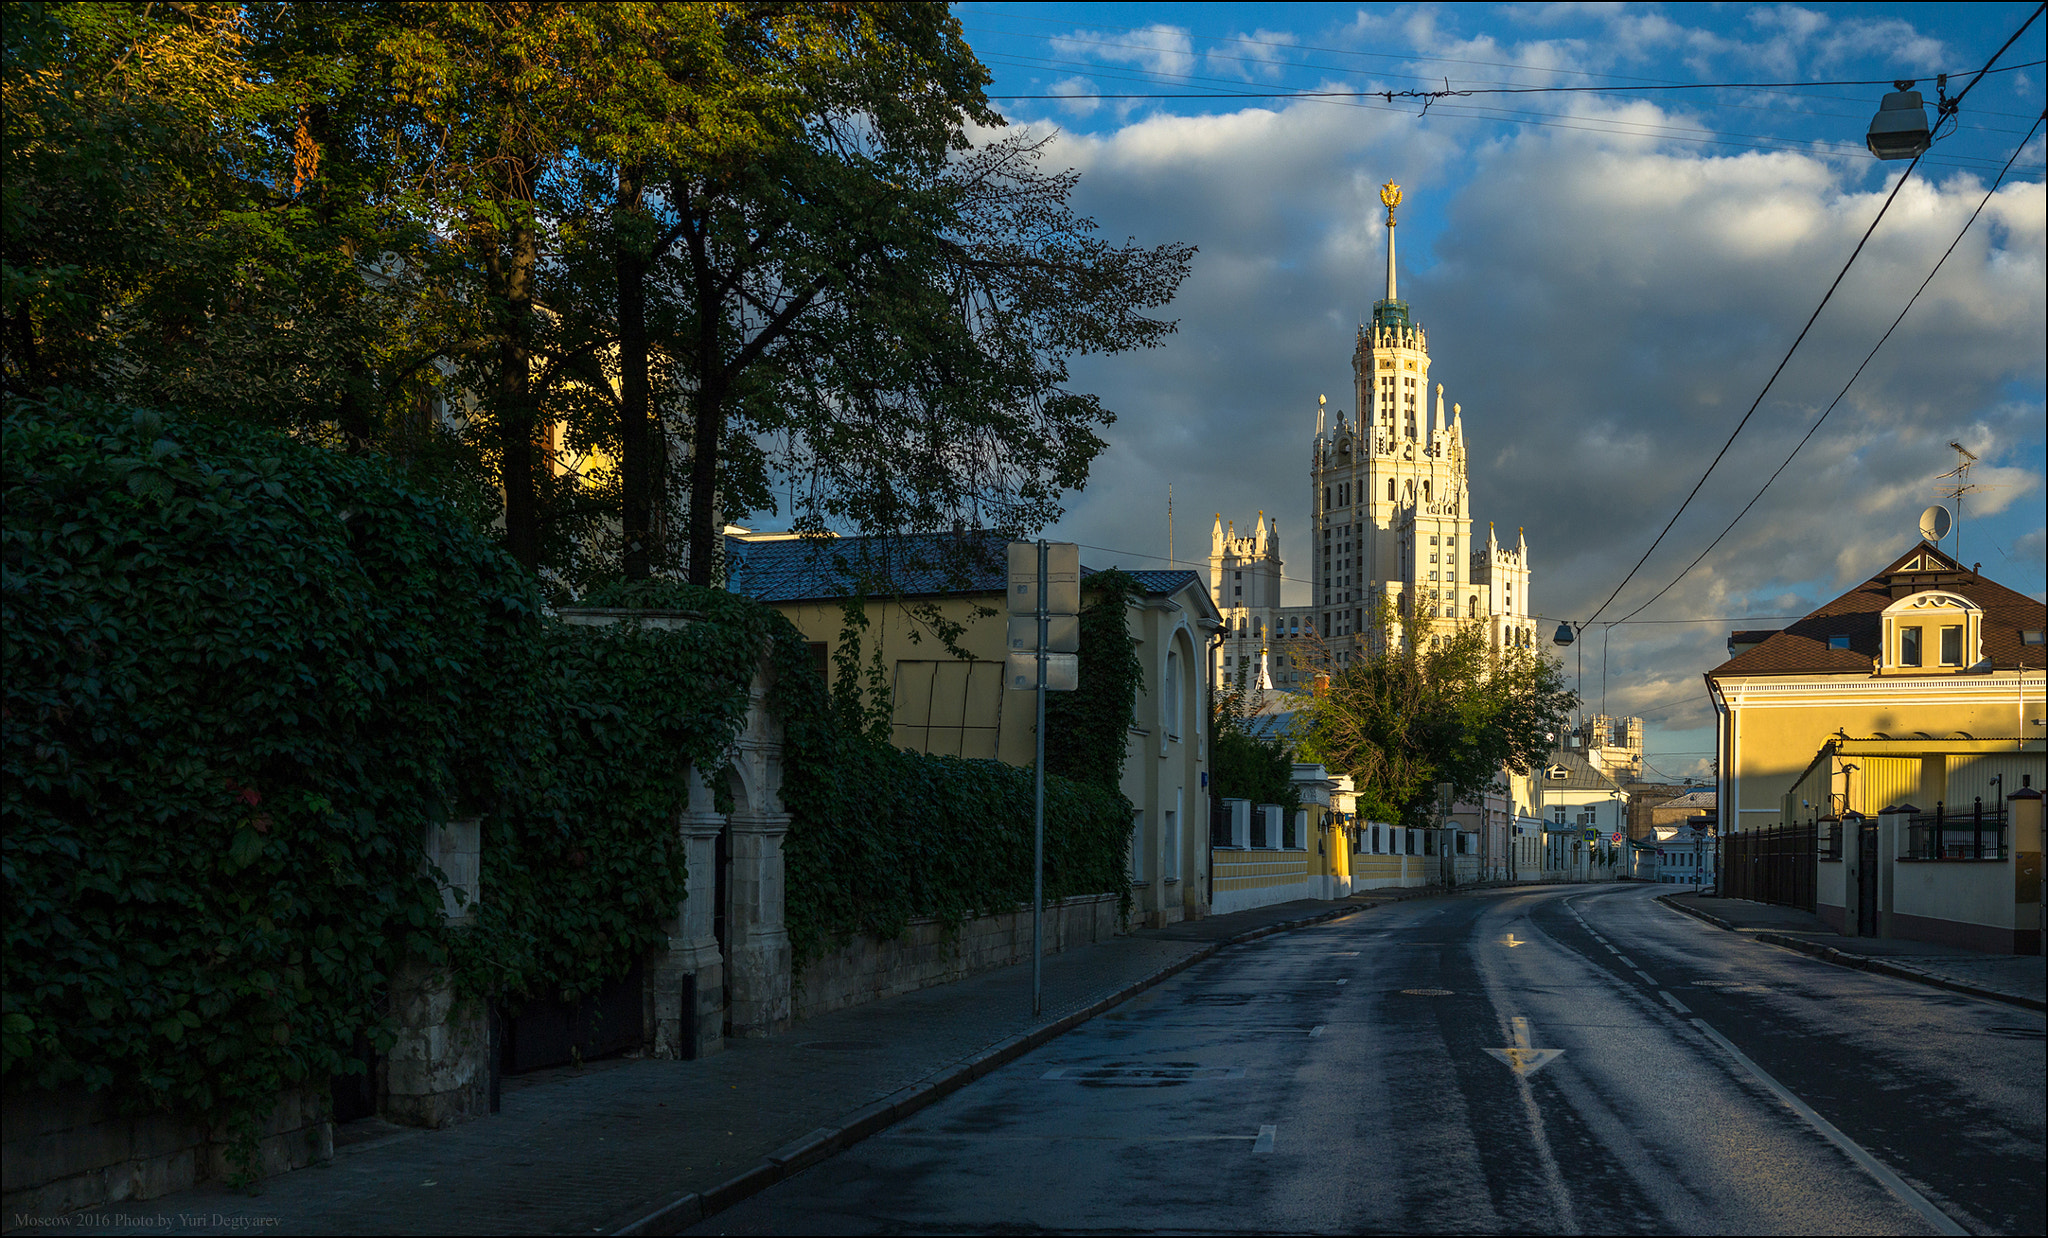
x,y
245,674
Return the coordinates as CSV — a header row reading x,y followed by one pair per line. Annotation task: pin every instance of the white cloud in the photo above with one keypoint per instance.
x,y
1157,48
1252,57
1605,308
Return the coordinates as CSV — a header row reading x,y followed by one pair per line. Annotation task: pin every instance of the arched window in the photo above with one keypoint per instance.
x,y
1169,697
1390,489
1425,492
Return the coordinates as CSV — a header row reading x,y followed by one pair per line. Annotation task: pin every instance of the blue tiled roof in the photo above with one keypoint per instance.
x,y
914,565
1158,583
919,564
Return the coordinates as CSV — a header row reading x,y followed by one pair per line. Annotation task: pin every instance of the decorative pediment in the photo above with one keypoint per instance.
x,y
1930,599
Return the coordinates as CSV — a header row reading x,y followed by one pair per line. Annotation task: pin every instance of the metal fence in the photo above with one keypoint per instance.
x,y
1973,834
1774,865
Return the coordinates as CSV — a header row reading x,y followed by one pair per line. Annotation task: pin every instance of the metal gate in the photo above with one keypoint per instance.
x,y
1774,865
551,1032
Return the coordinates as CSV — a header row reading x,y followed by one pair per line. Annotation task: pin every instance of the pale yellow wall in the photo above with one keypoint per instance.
x,y
1776,725
944,705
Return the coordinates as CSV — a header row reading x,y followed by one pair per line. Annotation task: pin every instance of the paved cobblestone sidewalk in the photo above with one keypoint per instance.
x,y
2019,979
596,1150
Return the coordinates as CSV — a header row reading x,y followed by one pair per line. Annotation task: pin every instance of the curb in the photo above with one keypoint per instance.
x,y
683,1211
1864,962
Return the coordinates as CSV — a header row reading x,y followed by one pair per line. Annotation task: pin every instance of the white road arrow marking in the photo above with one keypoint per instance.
x,y
1510,942
1264,1143
1521,1058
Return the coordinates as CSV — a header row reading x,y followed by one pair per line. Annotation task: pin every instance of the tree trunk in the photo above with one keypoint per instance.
x,y
518,421
709,427
641,447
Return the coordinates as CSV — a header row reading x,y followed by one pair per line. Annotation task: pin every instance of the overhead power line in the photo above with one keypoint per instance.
x,y
1843,392
1406,57
1904,176
1458,92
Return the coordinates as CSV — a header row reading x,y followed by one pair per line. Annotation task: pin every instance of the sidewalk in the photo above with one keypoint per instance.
x,y
644,1146
2019,979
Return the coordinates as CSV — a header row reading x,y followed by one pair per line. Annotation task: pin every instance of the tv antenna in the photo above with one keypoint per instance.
x,y
1958,479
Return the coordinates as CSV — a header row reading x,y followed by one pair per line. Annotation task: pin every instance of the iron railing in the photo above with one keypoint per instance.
x,y
1978,834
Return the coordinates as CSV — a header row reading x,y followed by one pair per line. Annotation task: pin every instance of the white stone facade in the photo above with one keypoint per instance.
x,y
1392,504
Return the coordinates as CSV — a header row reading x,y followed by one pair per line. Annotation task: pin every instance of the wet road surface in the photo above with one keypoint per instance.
x,y
1555,1060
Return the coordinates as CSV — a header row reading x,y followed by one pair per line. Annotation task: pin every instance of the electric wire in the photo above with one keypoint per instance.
x,y
1455,92
1904,176
1243,40
1811,430
1558,120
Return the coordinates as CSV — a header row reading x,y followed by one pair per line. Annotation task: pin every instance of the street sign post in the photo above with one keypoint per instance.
x,y
1045,640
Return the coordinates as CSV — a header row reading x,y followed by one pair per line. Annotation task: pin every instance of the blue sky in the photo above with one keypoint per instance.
x,y
1608,279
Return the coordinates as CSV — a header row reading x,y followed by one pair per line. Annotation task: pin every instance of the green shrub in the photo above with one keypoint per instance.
x,y
243,675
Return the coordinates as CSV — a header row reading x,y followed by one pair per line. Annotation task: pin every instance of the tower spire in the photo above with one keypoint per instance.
x,y
1390,195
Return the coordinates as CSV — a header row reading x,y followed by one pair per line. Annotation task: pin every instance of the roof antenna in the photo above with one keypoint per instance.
x,y
1960,486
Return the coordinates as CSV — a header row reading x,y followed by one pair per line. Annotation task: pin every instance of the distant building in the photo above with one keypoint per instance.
x,y
1391,522
1926,649
959,707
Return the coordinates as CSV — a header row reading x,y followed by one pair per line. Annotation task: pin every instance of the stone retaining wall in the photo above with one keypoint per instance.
x,y
74,1149
867,970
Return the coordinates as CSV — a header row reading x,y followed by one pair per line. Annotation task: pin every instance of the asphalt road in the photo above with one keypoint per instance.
x,y
1393,1072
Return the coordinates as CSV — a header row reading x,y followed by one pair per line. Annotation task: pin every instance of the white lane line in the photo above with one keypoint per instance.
x,y
1344,980
1342,954
1677,1005
1264,1143
1626,960
1871,1165
1317,1030
1602,940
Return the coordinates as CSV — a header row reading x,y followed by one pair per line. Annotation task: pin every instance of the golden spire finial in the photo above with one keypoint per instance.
x,y
1390,197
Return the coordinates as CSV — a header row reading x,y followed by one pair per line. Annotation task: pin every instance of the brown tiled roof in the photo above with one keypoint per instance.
x,y
1858,615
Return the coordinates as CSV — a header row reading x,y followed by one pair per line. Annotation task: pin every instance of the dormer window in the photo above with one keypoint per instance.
x,y
1932,631
1838,642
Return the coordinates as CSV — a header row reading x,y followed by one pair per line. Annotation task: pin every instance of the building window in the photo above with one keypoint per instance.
x,y
1838,642
1909,646
1952,645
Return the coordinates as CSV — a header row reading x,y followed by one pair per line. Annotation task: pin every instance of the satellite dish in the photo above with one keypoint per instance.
x,y
1935,523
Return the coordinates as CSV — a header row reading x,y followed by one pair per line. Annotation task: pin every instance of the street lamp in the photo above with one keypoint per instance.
x,y
1899,130
1569,635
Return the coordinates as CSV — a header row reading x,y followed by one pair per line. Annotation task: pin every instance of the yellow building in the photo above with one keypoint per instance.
x,y
1924,650
958,707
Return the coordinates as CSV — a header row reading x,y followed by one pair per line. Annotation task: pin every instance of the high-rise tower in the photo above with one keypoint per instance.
x,y
1392,508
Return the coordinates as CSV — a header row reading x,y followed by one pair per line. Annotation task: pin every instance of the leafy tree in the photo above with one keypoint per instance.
x,y
1243,764
1440,705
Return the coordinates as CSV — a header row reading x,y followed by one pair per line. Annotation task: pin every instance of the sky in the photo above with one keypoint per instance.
x,y
1608,278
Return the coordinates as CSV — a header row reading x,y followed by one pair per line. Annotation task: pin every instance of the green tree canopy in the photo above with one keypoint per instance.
x,y
1441,705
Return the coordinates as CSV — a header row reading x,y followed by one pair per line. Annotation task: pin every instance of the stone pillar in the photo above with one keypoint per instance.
x,y
2023,809
439,1071
1852,827
757,936
686,982
1892,826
